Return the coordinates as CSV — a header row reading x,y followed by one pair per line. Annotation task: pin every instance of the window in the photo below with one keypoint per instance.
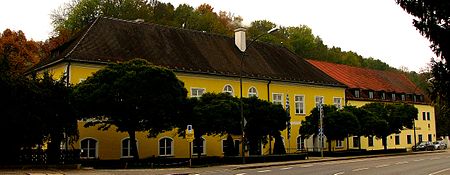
x,y
228,89
357,93
339,143
403,97
430,137
370,140
393,96
337,102
252,92
414,98
383,96
88,148
234,148
299,104
428,116
421,97
397,139
318,100
408,139
126,147
299,143
199,149
424,117
370,94
420,138
165,147
356,141
277,98
197,92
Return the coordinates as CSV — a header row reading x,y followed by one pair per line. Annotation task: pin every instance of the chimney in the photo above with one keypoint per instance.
x,y
239,38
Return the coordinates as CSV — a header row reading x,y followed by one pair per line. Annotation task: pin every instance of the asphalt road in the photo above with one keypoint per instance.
x,y
411,164
420,164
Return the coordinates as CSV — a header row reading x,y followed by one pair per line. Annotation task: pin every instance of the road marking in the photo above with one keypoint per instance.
x,y
417,160
241,174
286,168
399,163
360,169
437,172
264,171
435,158
306,166
338,173
384,165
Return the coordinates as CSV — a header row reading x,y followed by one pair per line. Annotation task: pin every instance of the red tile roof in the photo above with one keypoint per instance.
x,y
368,79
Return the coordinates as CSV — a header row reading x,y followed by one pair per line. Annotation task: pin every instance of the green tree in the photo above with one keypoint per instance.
x,y
133,96
339,125
392,118
263,119
310,126
366,121
432,21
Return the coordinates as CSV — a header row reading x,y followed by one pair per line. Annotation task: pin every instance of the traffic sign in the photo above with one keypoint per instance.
x,y
189,133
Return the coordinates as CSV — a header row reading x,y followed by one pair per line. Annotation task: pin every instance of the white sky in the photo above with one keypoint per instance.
x,y
372,28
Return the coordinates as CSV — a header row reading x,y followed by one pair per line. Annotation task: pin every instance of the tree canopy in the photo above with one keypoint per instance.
x,y
132,96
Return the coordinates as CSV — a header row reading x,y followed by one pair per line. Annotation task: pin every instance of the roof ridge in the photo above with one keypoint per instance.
x,y
81,39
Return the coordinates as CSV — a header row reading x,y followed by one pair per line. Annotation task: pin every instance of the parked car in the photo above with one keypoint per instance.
x,y
424,146
439,145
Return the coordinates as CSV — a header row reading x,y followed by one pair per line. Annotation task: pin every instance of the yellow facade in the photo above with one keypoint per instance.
x,y
109,142
424,128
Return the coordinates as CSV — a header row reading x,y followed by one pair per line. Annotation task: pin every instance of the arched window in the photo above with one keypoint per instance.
x,y
126,147
228,89
252,92
299,143
166,147
88,148
201,148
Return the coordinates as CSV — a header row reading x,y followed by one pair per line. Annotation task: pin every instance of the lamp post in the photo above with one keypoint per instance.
x,y
240,41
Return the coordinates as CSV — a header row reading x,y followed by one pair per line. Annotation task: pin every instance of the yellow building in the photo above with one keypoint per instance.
x,y
205,63
366,86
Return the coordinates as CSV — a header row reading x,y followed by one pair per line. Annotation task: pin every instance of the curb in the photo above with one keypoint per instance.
x,y
330,159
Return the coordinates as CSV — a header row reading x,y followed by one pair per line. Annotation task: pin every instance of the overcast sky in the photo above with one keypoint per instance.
x,y
372,28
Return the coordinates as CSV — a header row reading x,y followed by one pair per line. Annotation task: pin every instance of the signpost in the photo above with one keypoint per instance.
x,y
189,134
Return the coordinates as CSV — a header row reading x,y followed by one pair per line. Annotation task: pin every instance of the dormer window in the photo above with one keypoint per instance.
x,y
356,93
383,96
403,97
371,94
393,96
414,98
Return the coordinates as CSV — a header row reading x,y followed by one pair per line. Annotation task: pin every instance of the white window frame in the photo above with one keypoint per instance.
x,y
226,90
276,101
393,98
339,143
403,97
252,94
338,105
383,96
129,147
89,148
204,147
165,147
299,143
299,104
317,102
197,88
357,93
371,94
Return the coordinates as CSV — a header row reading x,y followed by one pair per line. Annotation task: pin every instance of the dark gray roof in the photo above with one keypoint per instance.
x,y
113,40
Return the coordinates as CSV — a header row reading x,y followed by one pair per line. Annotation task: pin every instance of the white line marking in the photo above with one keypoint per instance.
x,y
286,168
306,166
338,173
398,163
418,160
435,158
264,171
360,169
437,172
384,165
241,174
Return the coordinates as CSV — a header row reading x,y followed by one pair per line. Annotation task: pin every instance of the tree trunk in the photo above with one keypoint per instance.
x,y
54,148
329,145
384,140
348,143
359,145
133,145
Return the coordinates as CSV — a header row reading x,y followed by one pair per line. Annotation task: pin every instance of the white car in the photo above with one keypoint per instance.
x,y
439,145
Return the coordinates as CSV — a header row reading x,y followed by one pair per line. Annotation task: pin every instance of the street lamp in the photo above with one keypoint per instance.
x,y
240,41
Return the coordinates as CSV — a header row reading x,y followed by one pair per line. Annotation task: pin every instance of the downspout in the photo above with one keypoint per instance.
x,y
268,99
68,74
